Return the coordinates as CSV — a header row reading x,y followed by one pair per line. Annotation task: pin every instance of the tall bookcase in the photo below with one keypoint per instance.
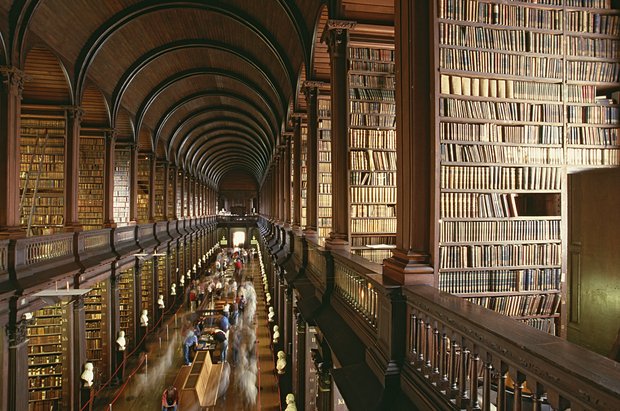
x,y
525,95
126,308
122,165
324,158
291,198
179,209
42,166
372,148
147,289
144,186
47,364
90,189
170,187
97,337
162,262
304,172
158,191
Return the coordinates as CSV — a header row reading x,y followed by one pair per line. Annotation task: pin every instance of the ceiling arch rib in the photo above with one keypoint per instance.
x,y
193,156
242,129
202,95
206,147
216,111
161,51
218,166
127,15
190,73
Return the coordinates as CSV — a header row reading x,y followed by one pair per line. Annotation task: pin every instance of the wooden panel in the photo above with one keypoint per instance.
x,y
47,82
95,108
124,126
320,62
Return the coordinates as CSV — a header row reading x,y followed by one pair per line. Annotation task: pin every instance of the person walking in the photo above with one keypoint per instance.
x,y
190,341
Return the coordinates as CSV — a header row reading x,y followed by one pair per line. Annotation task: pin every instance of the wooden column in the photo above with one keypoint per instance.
x,y
299,364
10,108
175,198
410,262
297,173
182,194
166,194
79,349
153,167
108,182
286,165
337,39
278,187
72,168
133,184
17,334
311,89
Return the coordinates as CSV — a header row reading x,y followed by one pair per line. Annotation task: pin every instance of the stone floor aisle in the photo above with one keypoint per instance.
x,y
163,361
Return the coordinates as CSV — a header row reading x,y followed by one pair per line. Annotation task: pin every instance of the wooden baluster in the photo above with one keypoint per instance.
x,y
486,387
537,394
436,353
421,343
463,392
413,335
454,369
473,382
518,396
428,354
445,358
501,388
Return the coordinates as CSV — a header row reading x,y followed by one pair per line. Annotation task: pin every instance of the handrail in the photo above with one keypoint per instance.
x,y
469,355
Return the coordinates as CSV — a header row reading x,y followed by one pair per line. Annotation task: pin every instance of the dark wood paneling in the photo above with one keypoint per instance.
x,y
47,82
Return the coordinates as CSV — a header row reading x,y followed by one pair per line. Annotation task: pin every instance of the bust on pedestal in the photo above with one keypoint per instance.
x,y
281,362
276,334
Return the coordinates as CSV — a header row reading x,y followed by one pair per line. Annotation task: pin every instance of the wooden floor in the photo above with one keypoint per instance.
x,y
163,362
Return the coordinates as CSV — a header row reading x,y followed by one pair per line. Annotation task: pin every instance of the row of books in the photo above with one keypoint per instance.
x,y
585,21
501,14
521,305
502,133
499,231
501,88
121,186
372,240
372,94
375,54
365,138
501,154
500,178
374,255
500,39
373,81
41,124
44,360
505,64
372,210
478,205
51,180
597,71
375,178
475,282
582,46
593,136
499,255
370,195
592,157
373,160
47,370
372,120
371,66
546,325
372,107
593,114
42,330
505,110
373,225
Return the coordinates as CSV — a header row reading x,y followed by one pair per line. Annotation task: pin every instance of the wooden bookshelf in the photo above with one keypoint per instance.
x,y
91,179
182,268
170,187
144,187
372,149
122,197
146,290
324,159
304,172
47,364
162,262
179,178
158,191
526,92
97,336
126,308
42,167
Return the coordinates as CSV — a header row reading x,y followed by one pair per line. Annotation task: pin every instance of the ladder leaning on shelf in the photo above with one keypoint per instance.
x,y
31,164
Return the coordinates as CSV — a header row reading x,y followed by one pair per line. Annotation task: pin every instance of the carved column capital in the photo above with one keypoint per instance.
x,y
74,113
14,79
18,332
336,35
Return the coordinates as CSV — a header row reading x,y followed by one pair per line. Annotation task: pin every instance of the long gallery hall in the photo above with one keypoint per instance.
x,y
309,205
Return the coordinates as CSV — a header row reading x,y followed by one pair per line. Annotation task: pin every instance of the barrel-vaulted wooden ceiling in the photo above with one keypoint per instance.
x,y
207,84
